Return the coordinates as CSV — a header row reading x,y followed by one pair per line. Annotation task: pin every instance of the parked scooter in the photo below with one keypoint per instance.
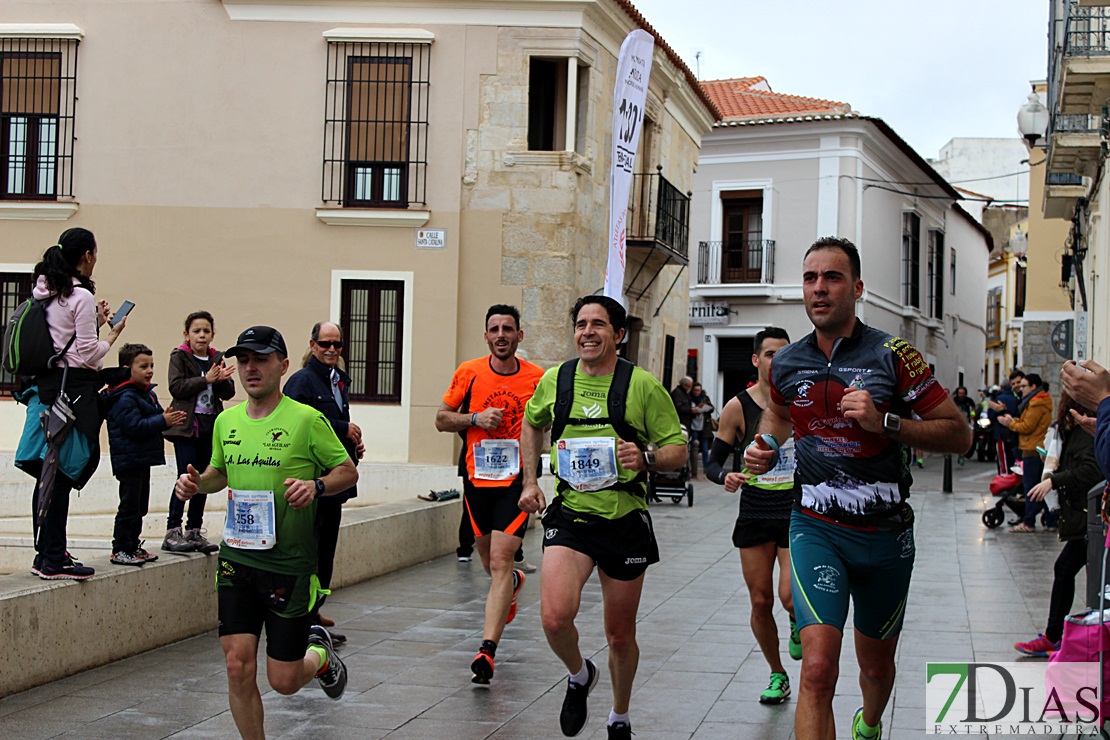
x,y
984,438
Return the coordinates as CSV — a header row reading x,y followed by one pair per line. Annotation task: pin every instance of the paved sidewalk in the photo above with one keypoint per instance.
x,y
411,636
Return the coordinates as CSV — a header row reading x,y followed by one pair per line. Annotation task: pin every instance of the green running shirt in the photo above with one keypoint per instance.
x,y
294,441
649,409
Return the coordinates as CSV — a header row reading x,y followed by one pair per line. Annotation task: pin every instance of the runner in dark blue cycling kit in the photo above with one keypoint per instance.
x,y
849,391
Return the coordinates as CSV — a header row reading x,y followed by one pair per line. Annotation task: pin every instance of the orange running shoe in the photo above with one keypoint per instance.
x,y
482,667
516,590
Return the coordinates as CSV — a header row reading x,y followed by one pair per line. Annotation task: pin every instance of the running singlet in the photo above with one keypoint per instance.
x,y
258,455
771,495
648,409
843,472
481,387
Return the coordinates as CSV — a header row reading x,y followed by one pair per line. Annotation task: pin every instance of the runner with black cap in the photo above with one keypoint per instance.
x,y
270,453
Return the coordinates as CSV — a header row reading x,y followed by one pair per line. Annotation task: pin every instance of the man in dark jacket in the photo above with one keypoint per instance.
x,y
683,404
1003,402
323,385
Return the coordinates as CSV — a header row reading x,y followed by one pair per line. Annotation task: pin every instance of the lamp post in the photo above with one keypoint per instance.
x,y
1032,119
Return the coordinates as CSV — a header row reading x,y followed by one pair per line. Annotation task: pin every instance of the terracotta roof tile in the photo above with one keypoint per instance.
x,y
751,97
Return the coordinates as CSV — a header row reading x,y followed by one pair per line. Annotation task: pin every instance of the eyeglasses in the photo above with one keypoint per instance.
x,y
328,345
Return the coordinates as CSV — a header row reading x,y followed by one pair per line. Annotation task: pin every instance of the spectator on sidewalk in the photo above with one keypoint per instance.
x,y
1031,426
323,384
1005,402
1089,384
702,425
135,425
1076,473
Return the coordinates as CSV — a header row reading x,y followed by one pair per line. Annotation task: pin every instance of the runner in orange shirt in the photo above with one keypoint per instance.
x,y
485,404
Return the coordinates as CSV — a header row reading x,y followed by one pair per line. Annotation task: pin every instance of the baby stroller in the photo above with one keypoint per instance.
x,y
675,484
1011,495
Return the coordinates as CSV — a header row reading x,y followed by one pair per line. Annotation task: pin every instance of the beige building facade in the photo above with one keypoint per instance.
x,y
1075,188
394,167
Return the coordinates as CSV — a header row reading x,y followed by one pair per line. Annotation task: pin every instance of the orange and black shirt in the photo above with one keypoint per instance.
x,y
475,387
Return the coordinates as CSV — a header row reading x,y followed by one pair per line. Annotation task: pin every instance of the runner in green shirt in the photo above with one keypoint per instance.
x,y
271,453
600,516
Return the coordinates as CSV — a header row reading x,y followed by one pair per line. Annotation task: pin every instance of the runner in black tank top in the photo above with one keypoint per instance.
x,y
763,522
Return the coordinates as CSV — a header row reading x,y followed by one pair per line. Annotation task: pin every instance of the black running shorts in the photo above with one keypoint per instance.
x,y
753,532
622,548
249,598
492,509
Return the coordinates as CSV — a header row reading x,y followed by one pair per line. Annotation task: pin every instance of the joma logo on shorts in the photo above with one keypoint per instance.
x,y
634,561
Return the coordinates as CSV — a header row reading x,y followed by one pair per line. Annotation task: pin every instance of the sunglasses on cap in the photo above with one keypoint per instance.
x,y
328,345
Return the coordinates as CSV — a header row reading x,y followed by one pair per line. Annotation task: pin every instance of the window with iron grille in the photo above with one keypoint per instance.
x,y
911,259
935,279
376,124
15,287
38,94
372,319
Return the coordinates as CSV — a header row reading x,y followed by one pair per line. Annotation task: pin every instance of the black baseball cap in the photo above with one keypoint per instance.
x,y
260,339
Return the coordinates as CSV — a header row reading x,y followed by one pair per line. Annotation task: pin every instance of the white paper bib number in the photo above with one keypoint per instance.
x,y
588,463
250,520
783,471
497,459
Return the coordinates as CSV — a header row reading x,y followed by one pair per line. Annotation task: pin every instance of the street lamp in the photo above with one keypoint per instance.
x,y
1032,119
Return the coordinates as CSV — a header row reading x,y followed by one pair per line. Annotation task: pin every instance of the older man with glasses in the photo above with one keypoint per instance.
x,y
322,384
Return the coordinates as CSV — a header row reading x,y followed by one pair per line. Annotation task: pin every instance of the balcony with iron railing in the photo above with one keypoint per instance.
x,y
1075,142
658,229
659,216
1078,83
736,261
1062,190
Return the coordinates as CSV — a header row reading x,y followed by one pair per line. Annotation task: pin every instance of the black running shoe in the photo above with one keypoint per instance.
x,y
333,674
620,731
575,711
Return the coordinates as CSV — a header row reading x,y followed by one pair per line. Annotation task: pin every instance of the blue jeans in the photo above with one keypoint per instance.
x,y
195,451
1031,469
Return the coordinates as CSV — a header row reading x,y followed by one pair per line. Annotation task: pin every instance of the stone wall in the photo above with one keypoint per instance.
x,y
553,206
1038,355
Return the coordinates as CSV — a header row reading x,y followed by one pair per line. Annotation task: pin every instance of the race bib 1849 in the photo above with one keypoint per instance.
x,y
588,463
250,520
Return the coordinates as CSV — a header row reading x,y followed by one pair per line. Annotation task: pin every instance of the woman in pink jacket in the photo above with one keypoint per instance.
x,y
75,319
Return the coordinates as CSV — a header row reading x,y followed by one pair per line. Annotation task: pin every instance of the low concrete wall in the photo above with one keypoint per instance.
x,y
76,626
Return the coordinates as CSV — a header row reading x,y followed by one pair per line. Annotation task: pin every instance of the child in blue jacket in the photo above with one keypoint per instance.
x,y
135,425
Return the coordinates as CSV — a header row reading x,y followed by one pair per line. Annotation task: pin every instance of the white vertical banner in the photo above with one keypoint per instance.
x,y
629,96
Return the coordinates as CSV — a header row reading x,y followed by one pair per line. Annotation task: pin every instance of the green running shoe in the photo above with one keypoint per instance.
x,y
777,691
795,642
857,729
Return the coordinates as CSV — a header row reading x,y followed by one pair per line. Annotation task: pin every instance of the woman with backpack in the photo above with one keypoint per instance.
x,y
64,276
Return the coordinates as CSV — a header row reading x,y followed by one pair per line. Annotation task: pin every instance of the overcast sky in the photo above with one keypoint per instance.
x,y
934,69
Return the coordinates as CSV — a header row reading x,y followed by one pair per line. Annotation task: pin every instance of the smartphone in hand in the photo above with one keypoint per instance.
x,y
124,309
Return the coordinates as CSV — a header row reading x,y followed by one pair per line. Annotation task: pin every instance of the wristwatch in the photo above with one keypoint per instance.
x,y
649,458
892,424
319,488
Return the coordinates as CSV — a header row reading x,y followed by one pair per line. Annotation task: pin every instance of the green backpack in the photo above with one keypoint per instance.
x,y
28,345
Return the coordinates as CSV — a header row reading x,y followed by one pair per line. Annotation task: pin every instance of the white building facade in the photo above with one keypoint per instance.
x,y
766,189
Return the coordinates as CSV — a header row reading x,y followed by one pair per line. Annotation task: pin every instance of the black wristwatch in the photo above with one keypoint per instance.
x,y
649,458
892,424
319,488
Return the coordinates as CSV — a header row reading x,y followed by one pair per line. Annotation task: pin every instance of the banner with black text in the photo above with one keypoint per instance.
x,y
629,96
